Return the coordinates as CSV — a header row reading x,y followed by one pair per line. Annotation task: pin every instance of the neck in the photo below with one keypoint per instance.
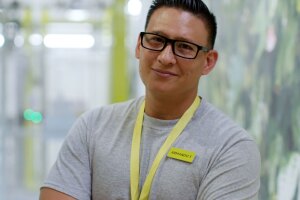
x,y
167,108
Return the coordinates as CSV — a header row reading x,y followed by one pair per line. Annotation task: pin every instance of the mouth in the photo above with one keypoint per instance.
x,y
164,73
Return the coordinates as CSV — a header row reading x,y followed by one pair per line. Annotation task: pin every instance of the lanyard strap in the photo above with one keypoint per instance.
x,y
135,150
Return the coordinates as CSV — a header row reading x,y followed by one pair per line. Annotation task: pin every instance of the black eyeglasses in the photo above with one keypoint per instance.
x,y
156,42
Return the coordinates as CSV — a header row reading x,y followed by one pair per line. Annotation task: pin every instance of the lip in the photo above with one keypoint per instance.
x,y
164,73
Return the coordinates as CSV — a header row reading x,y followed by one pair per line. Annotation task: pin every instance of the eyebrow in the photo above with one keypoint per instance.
x,y
177,38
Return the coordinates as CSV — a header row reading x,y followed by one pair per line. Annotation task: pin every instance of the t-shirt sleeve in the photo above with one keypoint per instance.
x,y
71,173
235,174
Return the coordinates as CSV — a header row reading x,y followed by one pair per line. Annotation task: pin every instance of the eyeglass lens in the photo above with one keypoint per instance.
x,y
180,48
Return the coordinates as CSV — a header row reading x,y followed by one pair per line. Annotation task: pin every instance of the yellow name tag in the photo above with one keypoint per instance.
x,y
181,154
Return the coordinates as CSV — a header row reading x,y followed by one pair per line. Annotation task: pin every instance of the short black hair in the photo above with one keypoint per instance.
x,y
196,7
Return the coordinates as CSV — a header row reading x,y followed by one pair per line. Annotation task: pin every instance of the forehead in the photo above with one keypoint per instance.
x,y
178,24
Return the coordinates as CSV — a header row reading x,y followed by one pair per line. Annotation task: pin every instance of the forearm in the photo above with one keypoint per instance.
x,y
50,194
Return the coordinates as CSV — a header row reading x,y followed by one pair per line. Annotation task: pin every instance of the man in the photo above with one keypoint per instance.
x,y
170,144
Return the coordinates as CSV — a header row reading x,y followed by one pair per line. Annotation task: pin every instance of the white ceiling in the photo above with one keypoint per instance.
x,y
83,4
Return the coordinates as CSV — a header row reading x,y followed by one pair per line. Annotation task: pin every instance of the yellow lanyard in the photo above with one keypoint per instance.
x,y
135,150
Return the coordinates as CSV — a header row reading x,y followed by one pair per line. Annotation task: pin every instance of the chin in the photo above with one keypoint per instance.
x,y
162,90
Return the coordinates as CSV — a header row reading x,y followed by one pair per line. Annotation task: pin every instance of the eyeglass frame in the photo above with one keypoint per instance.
x,y
172,42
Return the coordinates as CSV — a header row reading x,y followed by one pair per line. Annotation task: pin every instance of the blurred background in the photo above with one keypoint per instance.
x,y
59,58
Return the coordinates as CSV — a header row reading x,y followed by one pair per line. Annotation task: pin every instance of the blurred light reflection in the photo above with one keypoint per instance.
x,y
79,41
134,7
77,15
2,40
35,39
19,41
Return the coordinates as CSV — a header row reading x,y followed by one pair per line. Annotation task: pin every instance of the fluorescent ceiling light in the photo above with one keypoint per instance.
x,y
19,41
36,39
134,7
77,15
69,28
79,41
2,40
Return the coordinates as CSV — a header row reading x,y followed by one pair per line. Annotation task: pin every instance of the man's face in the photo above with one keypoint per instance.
x,y
165,73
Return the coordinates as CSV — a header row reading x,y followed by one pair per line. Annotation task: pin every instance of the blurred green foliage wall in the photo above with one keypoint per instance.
x,y
257,81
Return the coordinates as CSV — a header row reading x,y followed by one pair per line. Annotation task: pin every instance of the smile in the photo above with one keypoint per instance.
x,y
163,73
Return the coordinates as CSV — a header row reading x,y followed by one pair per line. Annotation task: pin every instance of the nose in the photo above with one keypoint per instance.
x,y
166,56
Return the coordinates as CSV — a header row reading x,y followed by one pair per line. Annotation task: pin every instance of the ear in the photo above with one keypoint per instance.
x,y
138,47
210,62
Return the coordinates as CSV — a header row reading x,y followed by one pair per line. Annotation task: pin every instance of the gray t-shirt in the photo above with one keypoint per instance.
x,y
94,161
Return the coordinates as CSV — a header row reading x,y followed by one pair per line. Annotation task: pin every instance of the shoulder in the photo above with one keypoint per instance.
x,y
99,121
219,125
223,136
232,155
106,113
220,134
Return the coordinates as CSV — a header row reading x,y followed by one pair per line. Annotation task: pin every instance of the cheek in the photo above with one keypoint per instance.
x,y
138,49
193,76
142,77
147,60
193,71
199,68
143,68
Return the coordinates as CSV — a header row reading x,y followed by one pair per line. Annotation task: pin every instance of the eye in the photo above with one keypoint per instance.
x,y
185,47
155,39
